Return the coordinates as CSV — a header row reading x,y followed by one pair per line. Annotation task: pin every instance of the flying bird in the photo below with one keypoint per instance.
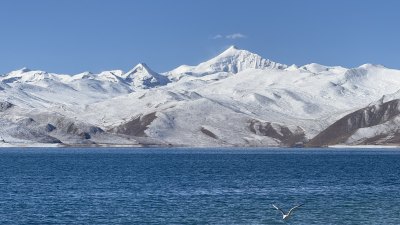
x,y
286,216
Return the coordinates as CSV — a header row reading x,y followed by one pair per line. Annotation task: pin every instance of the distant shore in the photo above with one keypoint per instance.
x,y
57,145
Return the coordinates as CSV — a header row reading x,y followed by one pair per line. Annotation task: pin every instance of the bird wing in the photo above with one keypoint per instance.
x,y
276,207
291,210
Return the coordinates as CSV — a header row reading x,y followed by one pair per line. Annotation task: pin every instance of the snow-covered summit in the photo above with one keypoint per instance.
x,y
114,76
237,98
22,70
143,77
232,60
84,75
25,75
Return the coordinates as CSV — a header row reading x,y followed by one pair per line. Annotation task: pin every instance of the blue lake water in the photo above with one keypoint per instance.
x,y
198,186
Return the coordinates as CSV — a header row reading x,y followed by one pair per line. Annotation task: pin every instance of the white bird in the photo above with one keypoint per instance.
x,y
286,216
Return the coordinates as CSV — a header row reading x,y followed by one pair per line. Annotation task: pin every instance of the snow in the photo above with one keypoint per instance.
x,y
232,60
364,146
221,96
384,129
143,77
317,68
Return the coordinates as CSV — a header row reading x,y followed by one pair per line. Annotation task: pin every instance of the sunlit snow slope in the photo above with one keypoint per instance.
x,y
237,98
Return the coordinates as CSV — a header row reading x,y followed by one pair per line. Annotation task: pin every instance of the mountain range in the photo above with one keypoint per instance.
x,y
237,98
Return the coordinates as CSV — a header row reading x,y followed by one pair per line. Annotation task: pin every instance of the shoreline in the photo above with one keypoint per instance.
x,y
144,146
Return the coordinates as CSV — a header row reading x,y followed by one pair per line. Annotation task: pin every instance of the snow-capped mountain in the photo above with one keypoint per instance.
x,y
237,98
232,60
143,77
376,124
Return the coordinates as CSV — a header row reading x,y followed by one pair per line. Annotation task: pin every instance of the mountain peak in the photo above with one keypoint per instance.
x,y
144,65
232,50
142,76
232,60
140,68
24,70
233,47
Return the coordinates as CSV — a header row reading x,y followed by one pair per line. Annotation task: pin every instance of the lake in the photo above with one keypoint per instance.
x,y
199,186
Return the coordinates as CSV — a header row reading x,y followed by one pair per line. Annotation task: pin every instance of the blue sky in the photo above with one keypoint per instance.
x,y
71,36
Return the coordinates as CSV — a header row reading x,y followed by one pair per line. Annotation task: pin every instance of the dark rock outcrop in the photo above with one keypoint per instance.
x,y
85,135
208,133
137,126
5,105
73,127
341,130
383,139
286,136
25,133
50,127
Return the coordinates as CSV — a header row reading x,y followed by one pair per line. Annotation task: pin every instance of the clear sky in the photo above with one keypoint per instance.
x,y
72,36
